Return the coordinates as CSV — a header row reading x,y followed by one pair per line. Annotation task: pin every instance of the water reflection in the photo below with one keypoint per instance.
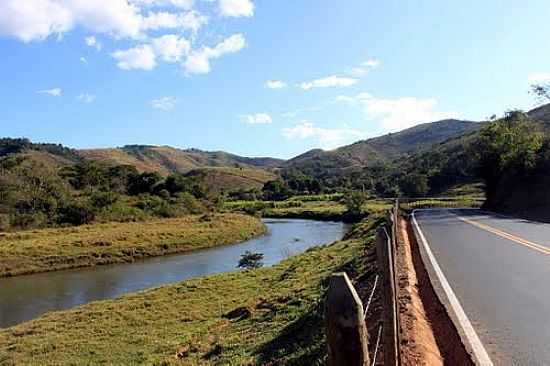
x,y
26,297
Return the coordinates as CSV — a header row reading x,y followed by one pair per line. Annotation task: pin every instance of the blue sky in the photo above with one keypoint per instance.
x,y
261,77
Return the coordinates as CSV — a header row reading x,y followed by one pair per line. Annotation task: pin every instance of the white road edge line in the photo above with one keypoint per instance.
x,y
477,347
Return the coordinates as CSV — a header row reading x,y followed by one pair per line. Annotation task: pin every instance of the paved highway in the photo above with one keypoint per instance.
x,y
499,269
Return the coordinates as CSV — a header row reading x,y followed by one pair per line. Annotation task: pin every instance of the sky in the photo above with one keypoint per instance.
x,y
261,77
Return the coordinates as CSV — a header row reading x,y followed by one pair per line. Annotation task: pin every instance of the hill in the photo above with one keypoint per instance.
x,y
226,179
166,159
374,151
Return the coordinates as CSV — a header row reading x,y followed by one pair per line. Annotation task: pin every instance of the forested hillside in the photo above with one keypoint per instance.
x,y
336,166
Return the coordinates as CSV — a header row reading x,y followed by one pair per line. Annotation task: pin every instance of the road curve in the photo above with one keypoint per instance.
x,y
499,269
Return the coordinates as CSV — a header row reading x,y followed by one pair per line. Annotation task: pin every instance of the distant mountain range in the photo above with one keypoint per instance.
x,y
317,163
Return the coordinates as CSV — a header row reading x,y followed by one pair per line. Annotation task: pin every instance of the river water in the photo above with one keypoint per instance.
x,y
26,297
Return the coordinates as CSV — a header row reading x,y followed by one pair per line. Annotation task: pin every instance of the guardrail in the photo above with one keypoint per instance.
x,y
347,337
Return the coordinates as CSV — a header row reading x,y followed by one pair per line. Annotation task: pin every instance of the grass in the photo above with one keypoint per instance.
x,y
319,207
89,245
268,316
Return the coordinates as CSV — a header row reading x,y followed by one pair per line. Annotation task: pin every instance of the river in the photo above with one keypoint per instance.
x,y
26,297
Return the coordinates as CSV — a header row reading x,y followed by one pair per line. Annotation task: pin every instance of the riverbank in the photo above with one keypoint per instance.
x,y
35,251
268,316
322,210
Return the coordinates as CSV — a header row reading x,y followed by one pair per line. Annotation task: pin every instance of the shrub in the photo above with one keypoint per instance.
x,y
75,214
250,260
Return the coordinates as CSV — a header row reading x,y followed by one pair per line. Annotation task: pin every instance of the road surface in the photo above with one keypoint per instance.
x,y
499,269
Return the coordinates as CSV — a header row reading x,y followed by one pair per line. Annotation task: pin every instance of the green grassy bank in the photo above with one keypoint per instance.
x,y
268,316
89,245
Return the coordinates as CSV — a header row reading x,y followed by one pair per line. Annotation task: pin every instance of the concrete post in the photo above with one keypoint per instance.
x,y
384,254
347,337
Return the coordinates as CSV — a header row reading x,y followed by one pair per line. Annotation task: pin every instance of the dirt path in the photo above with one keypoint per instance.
x,y
428,337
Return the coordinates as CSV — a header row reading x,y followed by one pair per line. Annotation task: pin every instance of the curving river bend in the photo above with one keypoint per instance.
x,y
26,297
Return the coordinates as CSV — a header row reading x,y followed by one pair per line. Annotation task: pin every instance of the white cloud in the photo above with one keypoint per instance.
x,y
191,20
275,84
86,98
198,61
539,77
398,114
36,20
140,57
54,92
236,8
84,60
364,68
170,47
164,104
183,4
91,41
329,82
327,138
257,119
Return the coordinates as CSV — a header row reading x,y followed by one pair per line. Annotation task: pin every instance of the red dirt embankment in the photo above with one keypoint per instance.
x,y
428,336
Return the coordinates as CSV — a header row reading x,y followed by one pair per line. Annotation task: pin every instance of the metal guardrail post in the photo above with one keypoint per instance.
x,y
347,336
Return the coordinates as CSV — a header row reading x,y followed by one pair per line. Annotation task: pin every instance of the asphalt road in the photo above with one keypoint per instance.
x,y
499,269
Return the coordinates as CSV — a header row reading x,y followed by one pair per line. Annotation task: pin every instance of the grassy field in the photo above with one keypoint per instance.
x,y
53,249
269,316
321,207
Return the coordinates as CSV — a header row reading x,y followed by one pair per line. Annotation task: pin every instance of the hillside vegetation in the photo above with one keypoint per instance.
x,y
331,166
227,179
166,160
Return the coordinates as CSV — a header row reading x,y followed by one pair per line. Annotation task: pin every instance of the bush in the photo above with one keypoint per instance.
x,y
75,214
156,206
122,212
250,260
354,202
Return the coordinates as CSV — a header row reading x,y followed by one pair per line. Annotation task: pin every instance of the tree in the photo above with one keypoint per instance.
x,y
414,185
276,190
506,148
354,202
250,260
143,183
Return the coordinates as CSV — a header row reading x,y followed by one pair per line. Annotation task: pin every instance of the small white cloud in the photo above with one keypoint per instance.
x,y
183,4
86,98
140,57
164,104
54,92
84,60
329,82
365,68
191,20
327,138
198,61
275,84
257,119
170,47
91,41
236,8
539,77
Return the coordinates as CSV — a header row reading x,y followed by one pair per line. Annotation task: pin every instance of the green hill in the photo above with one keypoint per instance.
x,y
375,151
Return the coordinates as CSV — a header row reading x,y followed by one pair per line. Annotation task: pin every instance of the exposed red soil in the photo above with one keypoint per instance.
x,y
428,336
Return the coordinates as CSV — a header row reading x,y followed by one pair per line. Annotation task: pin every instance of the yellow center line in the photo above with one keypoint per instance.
x,y
516,239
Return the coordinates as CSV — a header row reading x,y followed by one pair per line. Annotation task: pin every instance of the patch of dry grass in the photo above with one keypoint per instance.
x,y
54,249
